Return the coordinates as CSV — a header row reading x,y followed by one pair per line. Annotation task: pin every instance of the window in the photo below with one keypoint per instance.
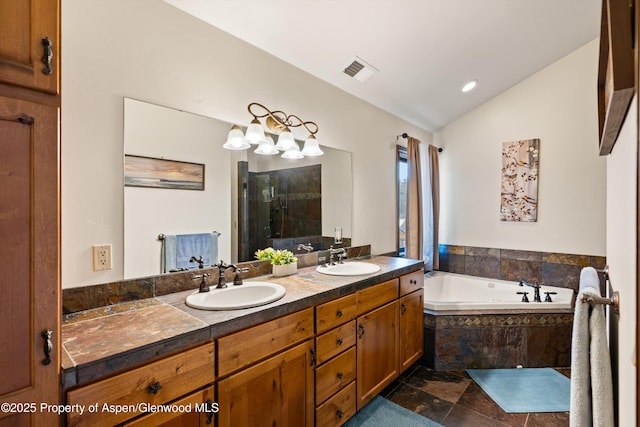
x,y
401,202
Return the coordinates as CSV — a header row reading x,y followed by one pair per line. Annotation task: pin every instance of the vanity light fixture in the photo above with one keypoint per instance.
x,y
469,86
277,122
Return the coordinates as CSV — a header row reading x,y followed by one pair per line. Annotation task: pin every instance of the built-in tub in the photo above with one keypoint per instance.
x,y
475,322
449,291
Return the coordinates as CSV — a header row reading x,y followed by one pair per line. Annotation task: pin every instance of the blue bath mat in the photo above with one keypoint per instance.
x,y
382,412
525,389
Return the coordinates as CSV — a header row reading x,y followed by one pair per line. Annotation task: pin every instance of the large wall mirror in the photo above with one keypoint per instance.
x,y
253,201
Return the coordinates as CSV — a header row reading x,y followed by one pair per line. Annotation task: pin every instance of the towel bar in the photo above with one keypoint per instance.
x,y
614,301
161,236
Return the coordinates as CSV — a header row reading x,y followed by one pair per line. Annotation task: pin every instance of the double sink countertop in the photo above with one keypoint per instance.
x,y
101,341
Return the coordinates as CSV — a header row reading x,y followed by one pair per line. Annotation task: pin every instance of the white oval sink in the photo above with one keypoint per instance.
x,y
354,268
249,294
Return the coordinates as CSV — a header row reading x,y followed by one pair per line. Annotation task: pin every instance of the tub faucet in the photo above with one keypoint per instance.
x,y
536,289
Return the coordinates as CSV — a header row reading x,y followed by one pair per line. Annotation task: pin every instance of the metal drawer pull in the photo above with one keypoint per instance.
x,y
339,413
47,56
413,282
403,308
339,342
339,313
155,387
361,331
339,375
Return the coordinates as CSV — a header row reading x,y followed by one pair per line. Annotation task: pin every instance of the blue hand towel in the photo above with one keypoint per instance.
x,y
193,245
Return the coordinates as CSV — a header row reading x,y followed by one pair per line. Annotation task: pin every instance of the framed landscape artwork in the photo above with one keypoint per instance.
x,y
151,172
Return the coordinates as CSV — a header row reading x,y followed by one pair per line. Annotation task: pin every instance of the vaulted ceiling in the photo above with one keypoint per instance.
x,y
424,50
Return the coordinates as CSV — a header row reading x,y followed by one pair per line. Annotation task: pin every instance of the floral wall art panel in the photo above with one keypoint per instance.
x,y
519,189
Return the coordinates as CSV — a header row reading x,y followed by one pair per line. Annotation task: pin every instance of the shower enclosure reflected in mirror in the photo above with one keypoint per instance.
x,y
318,189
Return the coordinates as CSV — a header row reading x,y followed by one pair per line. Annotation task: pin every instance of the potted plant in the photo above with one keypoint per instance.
x,y
283,261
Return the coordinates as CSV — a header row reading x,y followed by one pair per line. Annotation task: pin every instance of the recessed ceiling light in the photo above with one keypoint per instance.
x,y
467,87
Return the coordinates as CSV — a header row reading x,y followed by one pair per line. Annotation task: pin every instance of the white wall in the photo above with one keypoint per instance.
x,y
622,254
148,50
155,131
558,105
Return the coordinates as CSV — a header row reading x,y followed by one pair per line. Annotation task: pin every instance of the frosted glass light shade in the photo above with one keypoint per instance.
x,y
255,133
235,140
311,147
286,141
266,147
293,152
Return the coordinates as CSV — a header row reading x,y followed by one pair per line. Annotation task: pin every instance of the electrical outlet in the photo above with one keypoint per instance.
x,y
101,257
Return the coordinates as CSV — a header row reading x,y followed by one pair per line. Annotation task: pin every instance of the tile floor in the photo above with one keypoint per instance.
x,y
453,399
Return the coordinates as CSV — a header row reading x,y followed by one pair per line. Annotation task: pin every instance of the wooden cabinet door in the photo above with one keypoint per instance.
x,y
411,329
29,250
24,26
377,351
276,392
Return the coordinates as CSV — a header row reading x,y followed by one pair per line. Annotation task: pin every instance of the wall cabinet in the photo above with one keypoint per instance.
x,y
30,219
29,53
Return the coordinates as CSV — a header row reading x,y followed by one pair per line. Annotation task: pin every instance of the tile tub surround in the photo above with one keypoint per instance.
x,y
475,340
552,269
95,296
105,340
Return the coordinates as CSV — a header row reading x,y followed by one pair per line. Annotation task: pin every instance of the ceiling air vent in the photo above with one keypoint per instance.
x,y
360,70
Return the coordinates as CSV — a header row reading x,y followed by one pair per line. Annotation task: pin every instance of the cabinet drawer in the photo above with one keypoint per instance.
x,y
337,410
171,377
202,412
335,374
376,296
411,282
335,341
243,348
335,313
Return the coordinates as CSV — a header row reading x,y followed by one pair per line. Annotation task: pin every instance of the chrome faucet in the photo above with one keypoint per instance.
x,y
536,290
308,247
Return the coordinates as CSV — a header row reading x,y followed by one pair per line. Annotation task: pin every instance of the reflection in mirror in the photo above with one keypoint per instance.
x,y
298,187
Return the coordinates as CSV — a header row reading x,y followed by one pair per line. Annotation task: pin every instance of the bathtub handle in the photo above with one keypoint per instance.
x,y
403,308
361,331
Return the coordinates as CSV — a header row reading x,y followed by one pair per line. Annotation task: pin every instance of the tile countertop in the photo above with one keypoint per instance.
x,y
101,341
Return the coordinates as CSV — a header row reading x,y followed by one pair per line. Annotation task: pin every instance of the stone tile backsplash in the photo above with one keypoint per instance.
x,y
549,268
106,294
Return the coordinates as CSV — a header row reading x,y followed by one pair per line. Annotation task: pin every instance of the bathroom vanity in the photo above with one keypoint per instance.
x,y
315,357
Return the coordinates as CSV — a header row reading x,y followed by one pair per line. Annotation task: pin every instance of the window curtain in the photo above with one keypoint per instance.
x,y
423,203
430,206
414,232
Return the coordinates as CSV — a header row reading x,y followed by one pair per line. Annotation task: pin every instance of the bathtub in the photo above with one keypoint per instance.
x,y
474,322
449,291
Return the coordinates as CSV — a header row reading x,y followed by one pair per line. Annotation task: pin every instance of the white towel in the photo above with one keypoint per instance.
x,y
591,383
